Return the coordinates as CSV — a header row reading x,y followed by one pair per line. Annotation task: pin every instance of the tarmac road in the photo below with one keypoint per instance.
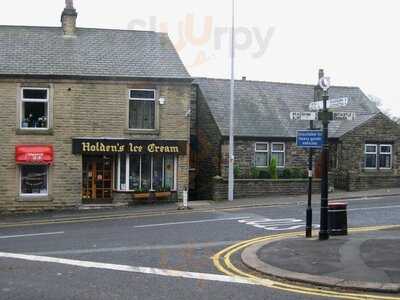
x,y
101,259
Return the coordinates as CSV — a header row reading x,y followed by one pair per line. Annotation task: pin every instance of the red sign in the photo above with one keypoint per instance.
x,y
34,154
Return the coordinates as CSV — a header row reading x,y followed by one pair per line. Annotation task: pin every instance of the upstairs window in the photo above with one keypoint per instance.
x,y
142,106
278,152
34,108
261,156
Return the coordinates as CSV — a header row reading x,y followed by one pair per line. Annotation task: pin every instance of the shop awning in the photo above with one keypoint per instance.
x,y
34,154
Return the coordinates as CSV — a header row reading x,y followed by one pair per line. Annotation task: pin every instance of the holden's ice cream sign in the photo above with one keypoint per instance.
x,y
110,146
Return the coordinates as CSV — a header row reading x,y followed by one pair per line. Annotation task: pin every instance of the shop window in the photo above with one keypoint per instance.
x,y
34,180
378,156
34,108
385,156
261,156
142,107
146,172
278,152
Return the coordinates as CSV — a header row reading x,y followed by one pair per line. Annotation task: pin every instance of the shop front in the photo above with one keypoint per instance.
x,y
33,167
112,167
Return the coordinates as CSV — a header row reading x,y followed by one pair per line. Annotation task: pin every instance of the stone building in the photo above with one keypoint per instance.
x,y
90,115
363,153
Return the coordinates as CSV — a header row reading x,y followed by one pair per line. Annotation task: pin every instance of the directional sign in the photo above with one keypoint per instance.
x,y
303,116
309,139
344,116
333,103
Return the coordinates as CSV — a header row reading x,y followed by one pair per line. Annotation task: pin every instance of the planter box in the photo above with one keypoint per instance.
x,y
141,196
163,194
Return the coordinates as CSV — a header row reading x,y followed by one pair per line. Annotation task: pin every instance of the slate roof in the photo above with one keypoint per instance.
x,y
100,53
262,109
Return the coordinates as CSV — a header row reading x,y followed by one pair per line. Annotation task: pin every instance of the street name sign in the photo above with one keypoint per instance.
x,y
344,116
303,116
333,103
309,139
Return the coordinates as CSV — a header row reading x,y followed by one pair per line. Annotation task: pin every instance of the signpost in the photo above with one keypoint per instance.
x,y
303,116
333,103
344,116
316,139
310,139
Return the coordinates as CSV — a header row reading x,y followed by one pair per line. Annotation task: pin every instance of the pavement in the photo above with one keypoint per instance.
x,y
91,212
363,260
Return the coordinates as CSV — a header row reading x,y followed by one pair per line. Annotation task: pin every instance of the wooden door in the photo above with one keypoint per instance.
x,y
97,179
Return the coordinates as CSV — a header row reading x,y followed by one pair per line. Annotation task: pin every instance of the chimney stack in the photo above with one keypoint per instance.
x,y
68,18
244,78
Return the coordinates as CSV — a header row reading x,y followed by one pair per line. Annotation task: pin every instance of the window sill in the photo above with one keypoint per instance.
x,y
21,131
38,198
143,131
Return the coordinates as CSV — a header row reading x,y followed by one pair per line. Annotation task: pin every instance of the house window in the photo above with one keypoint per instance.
x,y
278,152
34,108
145,172
142,106
34,180
385,156
371,155
261,155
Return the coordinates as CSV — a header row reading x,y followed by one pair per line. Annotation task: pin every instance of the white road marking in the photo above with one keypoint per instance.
x,y
30,235
138,248
372,208
126,268
275,224
190,222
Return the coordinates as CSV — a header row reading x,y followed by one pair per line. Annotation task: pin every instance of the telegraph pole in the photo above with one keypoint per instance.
x,y
231,179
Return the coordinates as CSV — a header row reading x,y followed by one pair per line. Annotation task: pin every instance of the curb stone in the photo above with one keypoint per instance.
x,y
250,259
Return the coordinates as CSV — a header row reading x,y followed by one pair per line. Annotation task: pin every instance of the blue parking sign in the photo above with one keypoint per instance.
x,y
309,139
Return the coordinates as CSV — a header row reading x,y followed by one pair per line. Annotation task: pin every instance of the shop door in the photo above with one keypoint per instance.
x,y
97,179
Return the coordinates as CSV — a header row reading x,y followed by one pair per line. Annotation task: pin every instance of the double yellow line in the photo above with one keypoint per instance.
x,y
222,261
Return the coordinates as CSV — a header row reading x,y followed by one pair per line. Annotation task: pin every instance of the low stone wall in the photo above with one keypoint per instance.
x,y
371,181
254,188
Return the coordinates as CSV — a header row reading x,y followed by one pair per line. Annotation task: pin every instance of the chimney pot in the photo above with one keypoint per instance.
x,y
244,78
68,18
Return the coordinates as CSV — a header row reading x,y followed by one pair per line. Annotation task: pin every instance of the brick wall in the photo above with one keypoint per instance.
x,y
82,109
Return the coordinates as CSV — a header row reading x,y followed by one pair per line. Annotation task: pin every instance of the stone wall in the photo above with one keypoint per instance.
x,y
350,174
295,157
82,109
208,152
254,188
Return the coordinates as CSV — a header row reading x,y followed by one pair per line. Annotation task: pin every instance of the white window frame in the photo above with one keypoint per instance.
x,y
23,100
127,162
374,153
280,151
142,99
386,153
33,195
261,151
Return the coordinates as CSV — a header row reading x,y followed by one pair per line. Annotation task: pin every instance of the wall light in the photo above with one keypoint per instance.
x,y
162,100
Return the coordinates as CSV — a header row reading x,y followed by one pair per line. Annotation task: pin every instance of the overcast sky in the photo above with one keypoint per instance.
x,y
355,41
